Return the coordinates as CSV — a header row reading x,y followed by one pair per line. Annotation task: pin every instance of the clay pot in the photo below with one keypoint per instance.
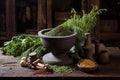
x,y
101,53
88,47
104,57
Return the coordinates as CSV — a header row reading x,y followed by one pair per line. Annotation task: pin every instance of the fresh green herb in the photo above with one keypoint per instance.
x,y
62,69
23,44
82,24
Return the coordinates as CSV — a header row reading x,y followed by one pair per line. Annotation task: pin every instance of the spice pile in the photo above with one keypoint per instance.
x,y
59,31
87,63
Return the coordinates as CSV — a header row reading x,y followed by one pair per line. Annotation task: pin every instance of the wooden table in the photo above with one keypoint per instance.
x,y
9,67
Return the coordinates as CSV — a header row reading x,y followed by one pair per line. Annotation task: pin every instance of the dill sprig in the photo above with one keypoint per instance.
x,y
82,24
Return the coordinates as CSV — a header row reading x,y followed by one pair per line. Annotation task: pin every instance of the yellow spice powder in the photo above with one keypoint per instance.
x,y
87,63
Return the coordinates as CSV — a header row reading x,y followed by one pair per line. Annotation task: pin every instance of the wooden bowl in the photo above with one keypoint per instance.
x,y
87,69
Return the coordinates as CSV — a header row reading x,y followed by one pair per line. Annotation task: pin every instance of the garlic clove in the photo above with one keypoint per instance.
x,y
23,63
24,58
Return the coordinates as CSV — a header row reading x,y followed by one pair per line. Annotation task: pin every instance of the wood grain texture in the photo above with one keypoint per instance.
x,y
9,67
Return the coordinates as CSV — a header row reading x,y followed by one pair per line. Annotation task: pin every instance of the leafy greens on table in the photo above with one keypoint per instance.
x,y
22,45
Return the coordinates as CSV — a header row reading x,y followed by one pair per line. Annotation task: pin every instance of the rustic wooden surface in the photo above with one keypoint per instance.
x,y
9,67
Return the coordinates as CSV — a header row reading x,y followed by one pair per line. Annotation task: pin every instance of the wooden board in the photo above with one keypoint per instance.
x,y
9,67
